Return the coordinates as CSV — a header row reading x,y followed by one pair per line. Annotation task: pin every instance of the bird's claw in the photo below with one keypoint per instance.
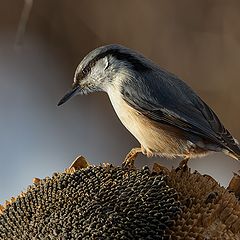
x,y
129,160
128,164
183,164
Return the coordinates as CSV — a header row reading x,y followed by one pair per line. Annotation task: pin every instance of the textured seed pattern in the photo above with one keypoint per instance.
x,y
210,211
94,203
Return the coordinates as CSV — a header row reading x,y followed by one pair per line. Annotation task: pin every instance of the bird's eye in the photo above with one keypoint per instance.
x,y
86,70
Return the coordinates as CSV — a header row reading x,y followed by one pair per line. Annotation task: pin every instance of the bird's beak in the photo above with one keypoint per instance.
x,y
69,95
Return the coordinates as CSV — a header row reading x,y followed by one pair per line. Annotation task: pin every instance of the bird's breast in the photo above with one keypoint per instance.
x,y
156,139
130,118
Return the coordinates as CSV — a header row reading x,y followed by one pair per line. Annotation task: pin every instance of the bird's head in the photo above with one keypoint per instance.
x,y
103,67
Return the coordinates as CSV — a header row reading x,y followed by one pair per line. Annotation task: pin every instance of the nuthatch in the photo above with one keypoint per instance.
x,y
161,111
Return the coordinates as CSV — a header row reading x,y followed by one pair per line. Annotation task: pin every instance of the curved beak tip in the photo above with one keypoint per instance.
x,y
60,102
68,95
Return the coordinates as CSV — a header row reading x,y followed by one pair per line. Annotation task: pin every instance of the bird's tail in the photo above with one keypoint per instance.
x,y
233,150
232,155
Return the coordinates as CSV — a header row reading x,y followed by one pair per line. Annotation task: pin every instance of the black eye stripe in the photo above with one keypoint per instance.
x,y
133,61
86,70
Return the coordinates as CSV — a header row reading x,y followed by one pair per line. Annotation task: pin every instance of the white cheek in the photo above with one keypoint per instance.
x,y
98,71
97,74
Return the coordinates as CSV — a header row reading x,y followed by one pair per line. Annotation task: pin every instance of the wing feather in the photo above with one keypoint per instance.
x,y
164,98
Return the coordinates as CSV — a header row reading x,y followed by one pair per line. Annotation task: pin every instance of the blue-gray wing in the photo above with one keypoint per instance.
x,y
164,98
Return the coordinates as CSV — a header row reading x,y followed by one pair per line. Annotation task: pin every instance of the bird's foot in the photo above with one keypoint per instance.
x,y
128,162
183,164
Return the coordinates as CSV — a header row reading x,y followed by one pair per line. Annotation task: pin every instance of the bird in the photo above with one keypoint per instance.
x,y
158,108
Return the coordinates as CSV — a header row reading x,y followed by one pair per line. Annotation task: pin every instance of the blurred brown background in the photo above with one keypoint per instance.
x,y
197,40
